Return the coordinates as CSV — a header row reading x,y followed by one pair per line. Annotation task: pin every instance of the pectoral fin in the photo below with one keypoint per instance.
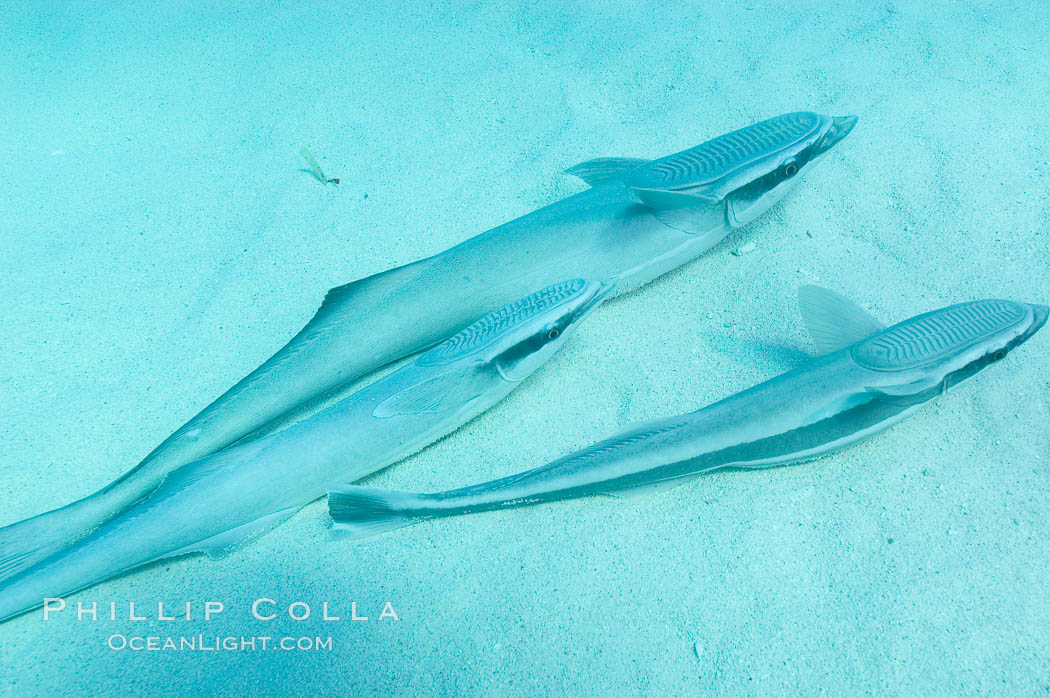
x,y
603,169
664,199
834,322
689,213
445,392
695,221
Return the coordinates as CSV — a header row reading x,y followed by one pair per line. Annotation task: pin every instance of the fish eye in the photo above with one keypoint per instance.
x,y
553,334
998,354
790,169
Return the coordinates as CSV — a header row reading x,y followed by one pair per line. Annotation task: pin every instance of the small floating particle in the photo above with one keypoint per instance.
x,y
746,248
315,168
698,649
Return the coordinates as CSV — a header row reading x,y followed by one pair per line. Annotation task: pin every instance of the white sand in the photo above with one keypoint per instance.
x,y
158,242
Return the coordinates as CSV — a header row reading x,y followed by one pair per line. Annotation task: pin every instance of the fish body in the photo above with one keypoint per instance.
x,y
611,231
220,501
872,378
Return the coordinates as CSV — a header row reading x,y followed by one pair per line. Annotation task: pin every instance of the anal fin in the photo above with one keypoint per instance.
x,y
235,537
650,488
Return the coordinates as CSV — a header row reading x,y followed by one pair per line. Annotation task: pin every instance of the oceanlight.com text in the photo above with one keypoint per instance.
x,y
217,643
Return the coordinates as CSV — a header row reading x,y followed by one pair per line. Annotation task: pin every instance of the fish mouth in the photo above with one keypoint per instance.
x,y
839,129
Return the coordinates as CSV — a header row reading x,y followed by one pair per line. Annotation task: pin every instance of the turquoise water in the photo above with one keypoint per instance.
x,y
160,240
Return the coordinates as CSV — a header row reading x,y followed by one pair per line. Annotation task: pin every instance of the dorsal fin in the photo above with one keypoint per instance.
x,y
377,286
834,322
603,169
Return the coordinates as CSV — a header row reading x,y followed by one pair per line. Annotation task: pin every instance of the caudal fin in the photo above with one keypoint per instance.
x,y
361,512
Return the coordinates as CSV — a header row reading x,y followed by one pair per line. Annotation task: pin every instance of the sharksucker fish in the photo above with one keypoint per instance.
x,y
868,378
638,220
221,501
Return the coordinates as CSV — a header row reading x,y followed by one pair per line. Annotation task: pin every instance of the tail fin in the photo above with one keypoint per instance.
x,y
361,512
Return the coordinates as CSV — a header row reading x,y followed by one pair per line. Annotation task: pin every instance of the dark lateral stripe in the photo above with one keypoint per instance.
x,y
596,454
781,447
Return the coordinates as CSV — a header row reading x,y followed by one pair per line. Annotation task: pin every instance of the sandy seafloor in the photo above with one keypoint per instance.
x,y
159,241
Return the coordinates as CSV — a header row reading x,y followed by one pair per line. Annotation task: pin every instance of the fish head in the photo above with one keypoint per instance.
x,y
746,171
518,338
936,350
537,337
